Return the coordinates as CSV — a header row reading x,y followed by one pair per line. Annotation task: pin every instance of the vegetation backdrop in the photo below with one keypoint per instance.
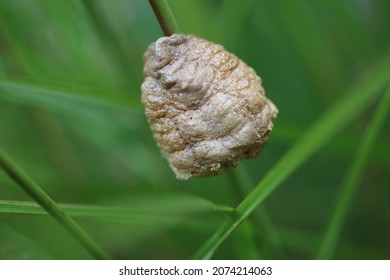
x,y
71,118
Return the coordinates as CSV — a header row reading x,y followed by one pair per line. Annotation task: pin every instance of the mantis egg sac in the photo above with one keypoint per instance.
x,y
206,108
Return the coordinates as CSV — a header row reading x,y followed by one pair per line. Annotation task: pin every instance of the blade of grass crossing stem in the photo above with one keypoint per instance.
x,y
260,215
351,183
244,236
324,129
90,211
37,194
138,216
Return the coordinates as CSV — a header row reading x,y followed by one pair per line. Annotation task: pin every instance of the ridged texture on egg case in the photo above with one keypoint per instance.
x,y
206,108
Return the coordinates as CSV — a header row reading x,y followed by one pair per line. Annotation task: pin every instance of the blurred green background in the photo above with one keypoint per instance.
x,y
71,116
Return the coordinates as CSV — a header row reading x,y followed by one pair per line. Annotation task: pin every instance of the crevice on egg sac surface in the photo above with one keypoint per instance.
x,y
206,108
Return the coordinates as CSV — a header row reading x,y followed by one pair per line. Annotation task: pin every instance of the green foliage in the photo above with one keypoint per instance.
x,y
71,117
350,183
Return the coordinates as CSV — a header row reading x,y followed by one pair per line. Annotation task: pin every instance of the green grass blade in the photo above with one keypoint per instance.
x,y
322,131
162,216
245,237
29,93
38,194
116,213
351,183
260,215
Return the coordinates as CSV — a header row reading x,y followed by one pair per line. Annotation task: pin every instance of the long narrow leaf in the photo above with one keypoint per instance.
x,y
349,187
25,207
322,131
32,94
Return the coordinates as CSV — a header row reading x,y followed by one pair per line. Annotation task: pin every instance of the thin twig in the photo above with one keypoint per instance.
x,y
164,16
